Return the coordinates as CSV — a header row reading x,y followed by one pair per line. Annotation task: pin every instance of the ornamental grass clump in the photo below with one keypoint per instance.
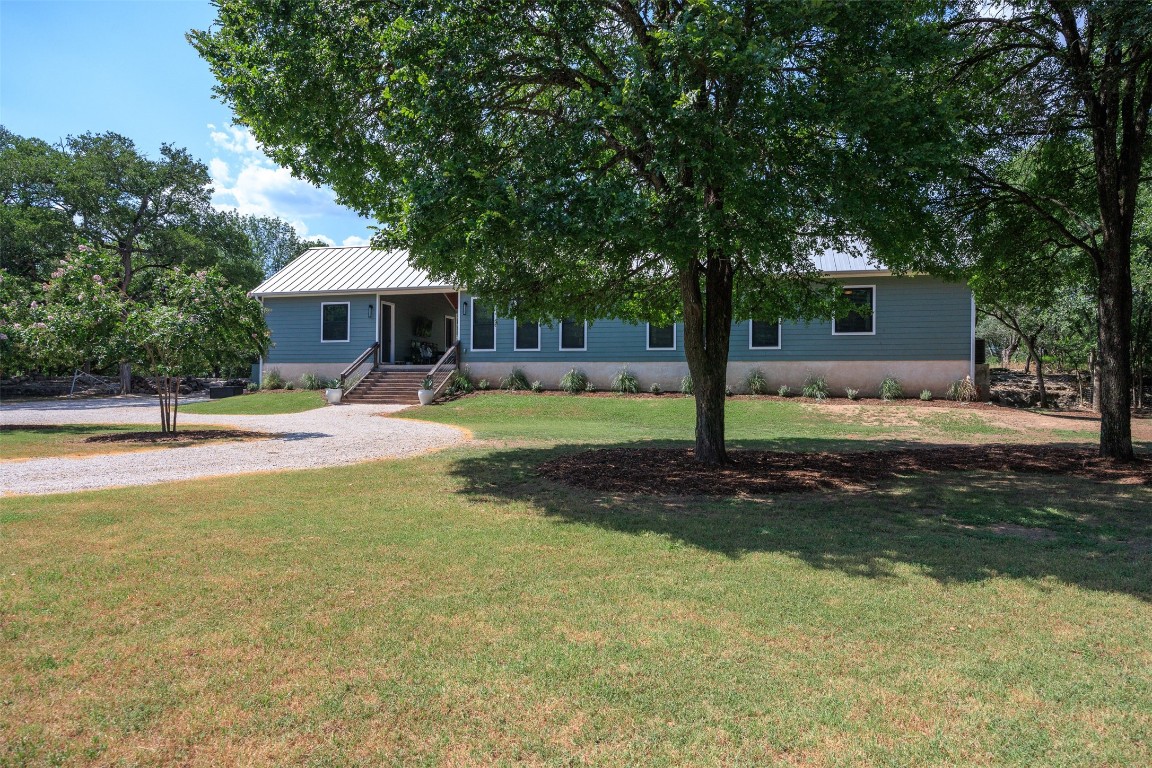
x,y
515,381
756,384
853,394
312,381
925,395
687,386
459,383
962,390
536,386
483,385
655,389
574,382
625,382
273,379
816,388
784,391
890,389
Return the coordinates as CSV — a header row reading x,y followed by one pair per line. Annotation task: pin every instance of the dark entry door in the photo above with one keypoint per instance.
x,y
385,332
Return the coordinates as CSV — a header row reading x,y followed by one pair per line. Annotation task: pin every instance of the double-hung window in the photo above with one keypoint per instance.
x,y
764,334
527,336
573,335
862,321
661,336
334,321
483,327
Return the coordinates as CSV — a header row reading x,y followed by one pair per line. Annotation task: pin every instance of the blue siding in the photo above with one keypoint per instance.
x,y
917,318
295,326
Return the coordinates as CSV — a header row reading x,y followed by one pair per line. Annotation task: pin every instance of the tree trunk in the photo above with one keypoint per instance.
x,y
1094,372
707,328
1114,295
1034,354
125,378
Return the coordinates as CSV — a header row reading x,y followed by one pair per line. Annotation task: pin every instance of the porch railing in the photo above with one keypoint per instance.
x,y
360,367
451,357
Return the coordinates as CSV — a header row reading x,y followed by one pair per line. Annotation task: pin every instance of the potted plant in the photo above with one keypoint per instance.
x,y
333,393
426,392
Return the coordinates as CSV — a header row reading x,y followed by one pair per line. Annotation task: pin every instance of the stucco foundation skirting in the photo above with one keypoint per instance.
x,y
325,437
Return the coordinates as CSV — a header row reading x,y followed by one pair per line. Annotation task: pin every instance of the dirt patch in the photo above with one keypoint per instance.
x,y
182,436
674,472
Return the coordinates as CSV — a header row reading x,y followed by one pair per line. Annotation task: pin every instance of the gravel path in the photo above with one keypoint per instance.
x,y
329,436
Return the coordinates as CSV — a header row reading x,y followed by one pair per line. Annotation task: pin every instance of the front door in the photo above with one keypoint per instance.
x,y
386,311
449,331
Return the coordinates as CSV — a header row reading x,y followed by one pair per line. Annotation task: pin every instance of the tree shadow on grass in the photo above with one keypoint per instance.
x,y
953,527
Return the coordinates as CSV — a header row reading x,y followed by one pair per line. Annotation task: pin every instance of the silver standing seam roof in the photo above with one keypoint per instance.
x,y
347,270
367,270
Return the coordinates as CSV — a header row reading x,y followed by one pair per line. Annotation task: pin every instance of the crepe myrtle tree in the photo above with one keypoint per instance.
x,y
196,321
609,158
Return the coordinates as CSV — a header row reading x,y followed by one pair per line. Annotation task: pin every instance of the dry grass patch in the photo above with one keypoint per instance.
x,y
20,442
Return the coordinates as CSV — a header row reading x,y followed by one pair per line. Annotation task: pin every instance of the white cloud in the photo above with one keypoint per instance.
x,y
248,182
357,240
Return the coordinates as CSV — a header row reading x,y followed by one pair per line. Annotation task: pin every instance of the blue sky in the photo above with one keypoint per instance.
x,y
73,66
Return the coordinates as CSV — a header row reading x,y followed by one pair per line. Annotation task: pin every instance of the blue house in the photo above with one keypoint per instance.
x,y
352,311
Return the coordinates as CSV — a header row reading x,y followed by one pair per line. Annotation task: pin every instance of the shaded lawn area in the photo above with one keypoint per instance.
x,y
259,403
459,609
42,441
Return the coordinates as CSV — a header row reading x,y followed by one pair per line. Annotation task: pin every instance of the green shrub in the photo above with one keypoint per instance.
x,y
273,379
427,383
890,389
925,395
574,382
816,388
536,386
853,394
289,385
515,380
625,382
590,387
252,387
312,381
483,385
962,390
784,391
756,383
687,386
655,388
460,383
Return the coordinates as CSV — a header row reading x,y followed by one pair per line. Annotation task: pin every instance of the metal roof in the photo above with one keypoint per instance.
x,y
347,270
367,270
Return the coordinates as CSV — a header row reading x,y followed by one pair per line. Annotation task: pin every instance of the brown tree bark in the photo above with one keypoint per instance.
x,y
707,329
1114,399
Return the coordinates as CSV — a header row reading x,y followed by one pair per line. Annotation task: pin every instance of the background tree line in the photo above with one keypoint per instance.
x,y
152,217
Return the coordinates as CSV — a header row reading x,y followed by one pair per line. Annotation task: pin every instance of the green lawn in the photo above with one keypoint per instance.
x,y
456,609
69,440
259,403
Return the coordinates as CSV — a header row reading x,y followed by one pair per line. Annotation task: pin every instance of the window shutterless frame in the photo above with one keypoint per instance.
x,y
871,318
648,338
516,338
347,321
752,337
583,336
487,316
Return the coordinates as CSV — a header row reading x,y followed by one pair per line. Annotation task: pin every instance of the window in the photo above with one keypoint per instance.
x,y
527,336
334,321
483,327
573,334
661,336
863,296
764,334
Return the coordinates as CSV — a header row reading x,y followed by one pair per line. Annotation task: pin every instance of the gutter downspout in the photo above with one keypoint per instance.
x,y
972,344
260,362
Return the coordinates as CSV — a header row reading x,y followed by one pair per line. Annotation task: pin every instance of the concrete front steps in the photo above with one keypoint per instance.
x,y
393,386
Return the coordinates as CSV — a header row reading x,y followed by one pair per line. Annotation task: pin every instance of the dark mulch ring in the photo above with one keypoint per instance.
x,y
674,472
180,436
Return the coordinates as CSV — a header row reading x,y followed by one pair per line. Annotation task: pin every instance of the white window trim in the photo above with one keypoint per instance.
x,y
779,335
472,331
347,322
560,341
516,338
872,316
648,339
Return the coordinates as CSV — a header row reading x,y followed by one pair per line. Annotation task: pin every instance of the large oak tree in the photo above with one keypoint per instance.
x,y
609,158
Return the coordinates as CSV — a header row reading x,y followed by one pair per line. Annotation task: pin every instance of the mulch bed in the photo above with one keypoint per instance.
x,y
181,436
674,472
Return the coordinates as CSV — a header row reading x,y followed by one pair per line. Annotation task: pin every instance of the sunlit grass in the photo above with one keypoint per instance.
x,y
259,403
43,441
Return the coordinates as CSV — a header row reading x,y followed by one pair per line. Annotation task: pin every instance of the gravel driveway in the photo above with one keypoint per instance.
x,y
324,437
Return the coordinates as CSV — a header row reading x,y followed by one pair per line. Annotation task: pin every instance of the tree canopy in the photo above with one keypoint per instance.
x,y
641,160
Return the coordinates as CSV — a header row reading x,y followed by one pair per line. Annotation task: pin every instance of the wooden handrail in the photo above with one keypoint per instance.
x,y
375,348
443,358
454,348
